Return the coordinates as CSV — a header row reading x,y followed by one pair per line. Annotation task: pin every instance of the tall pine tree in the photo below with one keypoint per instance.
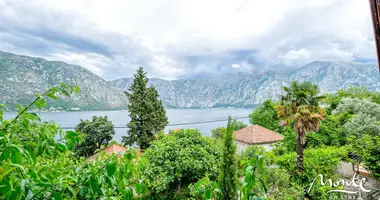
x,y
228,181
146,111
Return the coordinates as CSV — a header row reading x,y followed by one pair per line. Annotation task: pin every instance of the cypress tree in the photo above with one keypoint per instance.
x,y
148,115
228,181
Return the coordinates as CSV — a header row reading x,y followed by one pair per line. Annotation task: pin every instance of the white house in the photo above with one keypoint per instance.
x,y
255,135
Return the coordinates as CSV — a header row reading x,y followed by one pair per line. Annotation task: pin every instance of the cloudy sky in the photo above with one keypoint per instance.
x,y
187,38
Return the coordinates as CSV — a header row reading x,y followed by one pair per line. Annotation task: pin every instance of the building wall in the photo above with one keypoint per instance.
x,y
241,146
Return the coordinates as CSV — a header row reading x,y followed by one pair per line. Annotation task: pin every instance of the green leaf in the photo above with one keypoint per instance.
x,y
33,155
56,195
94,185
138,188
52,95
41,103
19,167
70,134
63,85
5,187
76,89
73,192
111,168
207,194
144,189
64,92
263,185
16,156
128,193
61,147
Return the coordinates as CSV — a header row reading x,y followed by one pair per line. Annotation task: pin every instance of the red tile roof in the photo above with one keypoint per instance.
x,y
110,150
256,134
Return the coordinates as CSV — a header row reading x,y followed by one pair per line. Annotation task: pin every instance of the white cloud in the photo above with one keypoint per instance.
x,y
171,38
235,65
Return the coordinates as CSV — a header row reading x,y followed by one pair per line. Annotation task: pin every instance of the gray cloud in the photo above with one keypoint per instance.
x,y
171,40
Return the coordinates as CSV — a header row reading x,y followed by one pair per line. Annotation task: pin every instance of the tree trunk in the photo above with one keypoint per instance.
x,y
299,150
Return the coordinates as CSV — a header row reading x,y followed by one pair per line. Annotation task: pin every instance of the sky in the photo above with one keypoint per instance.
x,y
174,39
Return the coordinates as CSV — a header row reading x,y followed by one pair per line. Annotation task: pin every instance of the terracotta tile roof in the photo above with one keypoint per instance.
x,y
256,134
110,150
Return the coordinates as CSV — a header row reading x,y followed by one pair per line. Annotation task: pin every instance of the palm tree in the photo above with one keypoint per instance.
x,y
299,106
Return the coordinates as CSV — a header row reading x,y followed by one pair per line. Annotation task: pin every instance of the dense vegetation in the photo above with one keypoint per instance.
x,y
40,161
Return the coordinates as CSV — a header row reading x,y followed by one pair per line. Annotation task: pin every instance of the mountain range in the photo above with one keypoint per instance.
x,y
250,89
23,76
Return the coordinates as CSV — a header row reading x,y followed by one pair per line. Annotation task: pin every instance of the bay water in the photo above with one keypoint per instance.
x,y
176,117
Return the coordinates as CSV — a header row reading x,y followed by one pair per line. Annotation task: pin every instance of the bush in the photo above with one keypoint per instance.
x,y
280,185
178,159
361,124
331,132
356,106
317,161
252,151
368,148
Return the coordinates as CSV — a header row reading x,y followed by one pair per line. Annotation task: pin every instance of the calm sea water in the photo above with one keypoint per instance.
x,y
175,116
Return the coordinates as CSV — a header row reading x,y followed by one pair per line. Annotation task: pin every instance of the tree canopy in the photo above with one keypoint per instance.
x,y
99,131
182,157
146,111
266,116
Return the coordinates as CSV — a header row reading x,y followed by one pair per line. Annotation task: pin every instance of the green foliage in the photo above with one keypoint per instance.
x,y
35,166
368,147
207,188
266,116
363,124
281,186
333,100
331,132
99,131
146,111
237,125
218,133
356,106
317,161
252,151
255,177
182,157
228,172
288,144
366,116
320,192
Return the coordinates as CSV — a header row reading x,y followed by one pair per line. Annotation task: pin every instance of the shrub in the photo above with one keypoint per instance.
x,y
317,161
368,148
280,185
182,157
